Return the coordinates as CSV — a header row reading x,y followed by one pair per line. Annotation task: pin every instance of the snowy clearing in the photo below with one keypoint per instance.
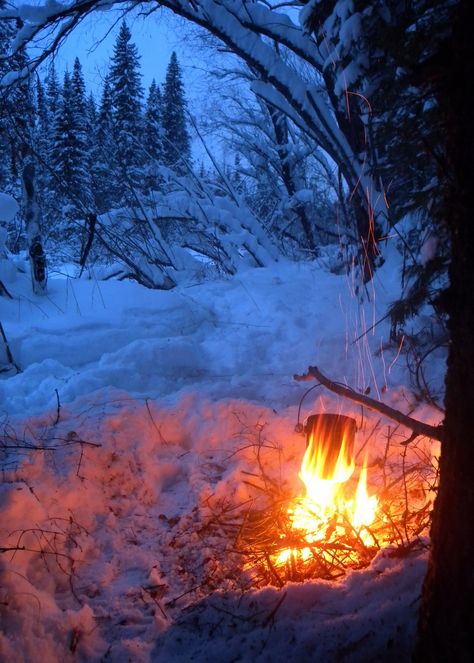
x,y
149,408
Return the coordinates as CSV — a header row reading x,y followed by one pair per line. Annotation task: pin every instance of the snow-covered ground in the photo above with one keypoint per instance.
x,y
136,419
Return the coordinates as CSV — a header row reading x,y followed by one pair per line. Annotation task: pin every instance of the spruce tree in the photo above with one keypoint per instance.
x,y
153,139
127,94
81,130
104,162
70,153
78,92
48,94
176,141
42,142
91,121
43,121
53,92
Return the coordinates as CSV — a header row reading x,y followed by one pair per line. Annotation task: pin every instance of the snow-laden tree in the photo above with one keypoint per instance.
x,y
176,141
5,38
17,111
48,100
251,30
104,163
53,91
396,118
90,124
153,136
70,157
127,114
43,121
83,136
283,173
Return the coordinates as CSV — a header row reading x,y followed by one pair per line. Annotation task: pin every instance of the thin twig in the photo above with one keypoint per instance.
x,y
8,351
58,408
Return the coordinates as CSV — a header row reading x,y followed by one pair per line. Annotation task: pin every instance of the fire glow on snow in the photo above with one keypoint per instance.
x,y
143,430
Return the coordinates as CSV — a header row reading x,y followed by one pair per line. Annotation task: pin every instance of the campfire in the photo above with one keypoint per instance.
x,y
329,506
339,519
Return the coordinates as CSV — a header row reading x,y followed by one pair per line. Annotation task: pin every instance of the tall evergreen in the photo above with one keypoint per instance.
x,y
78,88
176,141
70,152
53,91
91,120
81,130
43,119
48,95
42,142
153,139
127,95
104,172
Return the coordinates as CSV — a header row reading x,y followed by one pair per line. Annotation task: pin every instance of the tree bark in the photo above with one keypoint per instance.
x,y
39,277
446,627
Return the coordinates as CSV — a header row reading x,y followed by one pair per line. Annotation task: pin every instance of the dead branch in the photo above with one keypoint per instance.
x,y
418,427
58,408
4,292
7,349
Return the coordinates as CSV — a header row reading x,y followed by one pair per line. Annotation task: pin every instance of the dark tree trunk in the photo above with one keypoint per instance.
x,y
446,628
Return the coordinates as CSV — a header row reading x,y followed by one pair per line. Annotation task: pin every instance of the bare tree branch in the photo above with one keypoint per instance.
x,y
418,427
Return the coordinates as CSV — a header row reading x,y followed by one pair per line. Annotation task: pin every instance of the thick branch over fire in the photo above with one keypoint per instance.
x,y
418,427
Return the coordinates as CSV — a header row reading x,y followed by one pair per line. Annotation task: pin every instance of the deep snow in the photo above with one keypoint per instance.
x,y
151,406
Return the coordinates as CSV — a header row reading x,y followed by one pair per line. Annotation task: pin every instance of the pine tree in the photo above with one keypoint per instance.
x,y
53,92
80,118
70,152
127,94
43,120
153,139
104,162
78,92
91,121
176,141
42,142
48,93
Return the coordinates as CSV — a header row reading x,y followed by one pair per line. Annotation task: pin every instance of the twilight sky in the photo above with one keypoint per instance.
x,y
156,37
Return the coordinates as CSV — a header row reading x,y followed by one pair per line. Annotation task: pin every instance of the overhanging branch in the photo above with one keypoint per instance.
x,y
418,427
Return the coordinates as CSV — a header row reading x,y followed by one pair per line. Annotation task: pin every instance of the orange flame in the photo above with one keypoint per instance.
x,y
327,466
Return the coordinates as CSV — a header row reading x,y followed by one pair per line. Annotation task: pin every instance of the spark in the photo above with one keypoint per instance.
x,y
397,355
